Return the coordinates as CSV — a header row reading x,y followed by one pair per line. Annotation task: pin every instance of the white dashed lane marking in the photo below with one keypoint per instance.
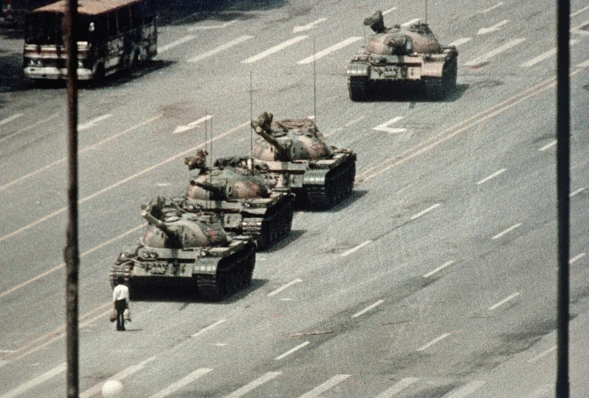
x,y
274,49
221,48
486,57
329,50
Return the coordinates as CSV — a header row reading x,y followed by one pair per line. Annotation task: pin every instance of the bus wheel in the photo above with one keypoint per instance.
x,y
98,73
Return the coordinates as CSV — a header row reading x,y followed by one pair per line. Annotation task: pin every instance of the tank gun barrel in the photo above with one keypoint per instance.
x,y
215,190
158,224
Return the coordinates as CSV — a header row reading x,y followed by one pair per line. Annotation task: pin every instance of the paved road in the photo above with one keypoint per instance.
x,y
435,279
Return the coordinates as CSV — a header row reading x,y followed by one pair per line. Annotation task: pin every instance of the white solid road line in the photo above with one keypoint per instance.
x,y
548,146
275,292
211,326
500,234
181,383
365,310
584,64
274,49
504,301
223,25
389,11
434,341
176,43
287,353
544,56
580,29
119,376
320,389
329,50
254,384
93,122
576,258
467,389
484,58
10,119
352,250
578,191
411,22
460,41
397,387
34,382
579,11
191,125
495,174
221,48
421,213
40,122
441,267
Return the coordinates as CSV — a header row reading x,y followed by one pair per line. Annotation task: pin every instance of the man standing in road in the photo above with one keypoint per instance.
x,y
120,298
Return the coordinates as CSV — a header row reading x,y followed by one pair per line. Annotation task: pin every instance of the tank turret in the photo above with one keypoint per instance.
x,y
179,231
288,140
401,55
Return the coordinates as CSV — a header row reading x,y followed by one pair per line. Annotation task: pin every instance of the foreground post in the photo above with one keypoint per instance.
x,y
71,252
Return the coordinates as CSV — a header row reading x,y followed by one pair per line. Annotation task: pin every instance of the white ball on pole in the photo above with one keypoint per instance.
x,y
112,389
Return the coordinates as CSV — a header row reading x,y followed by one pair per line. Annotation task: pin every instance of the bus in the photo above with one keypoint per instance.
x,y
112,35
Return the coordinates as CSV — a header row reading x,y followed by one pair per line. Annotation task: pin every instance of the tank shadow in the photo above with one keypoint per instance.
x,y
412,94
187,294
354,196
293,236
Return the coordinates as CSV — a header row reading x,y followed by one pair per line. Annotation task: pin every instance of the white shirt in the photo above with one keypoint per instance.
x,y
120,292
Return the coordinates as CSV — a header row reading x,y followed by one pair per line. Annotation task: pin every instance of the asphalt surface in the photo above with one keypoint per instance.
x,y
436,278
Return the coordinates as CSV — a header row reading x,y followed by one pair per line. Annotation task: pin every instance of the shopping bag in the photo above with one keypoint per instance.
x,y
113,315
127,314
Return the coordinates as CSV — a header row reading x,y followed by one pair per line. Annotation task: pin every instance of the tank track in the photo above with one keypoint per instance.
x,y
234,273
118,270
339,183
358,88
269,230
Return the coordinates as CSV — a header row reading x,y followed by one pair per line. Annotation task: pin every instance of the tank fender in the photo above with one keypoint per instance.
x,y
432,69
315,177
358,70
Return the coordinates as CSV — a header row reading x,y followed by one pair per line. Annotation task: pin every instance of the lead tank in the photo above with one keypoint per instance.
x,y
397,56
241,197
294,154
182,249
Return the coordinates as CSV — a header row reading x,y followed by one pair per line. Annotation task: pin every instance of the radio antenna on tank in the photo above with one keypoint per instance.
x,y
314,85
251,114
425,11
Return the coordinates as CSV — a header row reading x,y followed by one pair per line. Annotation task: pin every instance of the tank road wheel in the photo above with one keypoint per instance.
x,y
358,88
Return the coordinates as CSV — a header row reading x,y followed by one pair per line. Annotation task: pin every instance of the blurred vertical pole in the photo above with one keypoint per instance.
x,y
563,187
71,252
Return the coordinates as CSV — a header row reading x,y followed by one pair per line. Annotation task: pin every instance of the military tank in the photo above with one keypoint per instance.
x,y
182,249
241,197
402,57
294,154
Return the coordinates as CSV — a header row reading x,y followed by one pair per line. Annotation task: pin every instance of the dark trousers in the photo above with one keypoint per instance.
x,y
120,306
